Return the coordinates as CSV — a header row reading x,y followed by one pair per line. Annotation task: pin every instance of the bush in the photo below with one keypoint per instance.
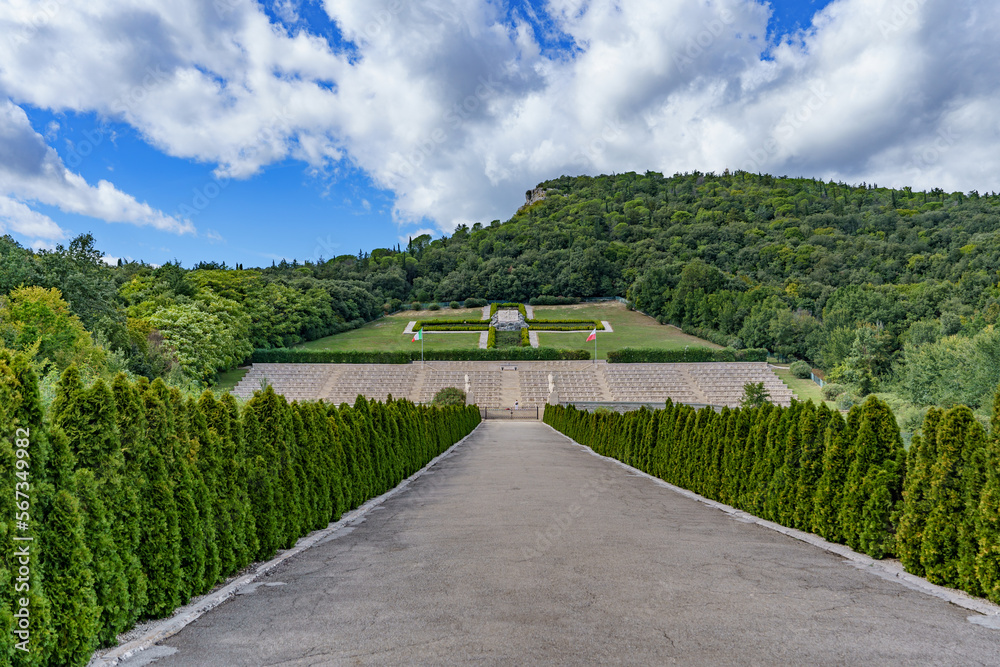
x,y
449,396
832,390
475,303
434,306
845,401
631,355
801,370
454,305
415,305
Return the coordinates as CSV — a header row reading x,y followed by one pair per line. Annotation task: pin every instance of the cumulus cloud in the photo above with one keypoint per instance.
x,y
459,106
31,171
18,218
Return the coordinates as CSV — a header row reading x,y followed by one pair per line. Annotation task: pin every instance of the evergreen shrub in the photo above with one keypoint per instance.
x,y
801,370
832,390
197,490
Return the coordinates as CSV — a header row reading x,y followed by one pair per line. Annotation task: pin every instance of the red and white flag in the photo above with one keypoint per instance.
x,y
593,335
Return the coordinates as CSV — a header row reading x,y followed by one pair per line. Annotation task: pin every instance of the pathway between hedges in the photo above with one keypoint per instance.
x,y
523,548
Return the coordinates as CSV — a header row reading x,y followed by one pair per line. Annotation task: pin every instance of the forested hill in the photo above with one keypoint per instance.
x,y
859,280
862,281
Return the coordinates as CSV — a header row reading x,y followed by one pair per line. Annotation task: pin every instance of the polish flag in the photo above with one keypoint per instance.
x,y
592,336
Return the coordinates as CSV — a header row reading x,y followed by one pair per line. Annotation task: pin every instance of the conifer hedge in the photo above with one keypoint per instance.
x,y
936,507
141,498
632,355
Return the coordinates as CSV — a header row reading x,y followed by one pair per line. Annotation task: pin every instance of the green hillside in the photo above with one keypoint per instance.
x,y
885,289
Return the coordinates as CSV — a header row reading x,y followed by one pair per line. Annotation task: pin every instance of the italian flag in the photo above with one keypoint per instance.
x,y
593,335
418,336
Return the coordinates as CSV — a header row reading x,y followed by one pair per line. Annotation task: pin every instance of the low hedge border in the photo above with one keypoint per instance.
x,y
469,326
630,355
565,325
286,356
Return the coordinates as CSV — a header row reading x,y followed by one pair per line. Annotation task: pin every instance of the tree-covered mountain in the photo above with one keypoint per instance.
x,y
879,287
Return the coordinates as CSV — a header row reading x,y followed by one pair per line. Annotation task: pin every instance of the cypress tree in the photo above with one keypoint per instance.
x,y
240,537
69,584
976,455
751,470
307,469
882,481
340,484
939,553
211,508
988,557
276,443
829,491
779,506
160,539
192,532
19,410
89,419
811,425
916,493
352,488
739,449
131,423
260,485
109,582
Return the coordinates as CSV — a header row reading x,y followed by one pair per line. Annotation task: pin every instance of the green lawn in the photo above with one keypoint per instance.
x,y
228,380
387,334
631,329
805,390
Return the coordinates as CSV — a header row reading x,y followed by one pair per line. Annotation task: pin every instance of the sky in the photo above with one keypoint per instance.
x,y
250,132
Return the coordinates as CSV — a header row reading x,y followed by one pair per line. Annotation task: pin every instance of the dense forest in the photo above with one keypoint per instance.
x,y
890,291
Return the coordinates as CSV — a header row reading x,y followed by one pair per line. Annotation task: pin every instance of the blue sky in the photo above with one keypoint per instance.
x,y
303,129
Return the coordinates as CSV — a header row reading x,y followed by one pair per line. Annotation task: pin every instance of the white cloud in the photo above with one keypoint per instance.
x,y
31,171
458,109
18,218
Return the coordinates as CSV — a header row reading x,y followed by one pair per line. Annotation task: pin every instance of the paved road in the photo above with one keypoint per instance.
x,y
522,548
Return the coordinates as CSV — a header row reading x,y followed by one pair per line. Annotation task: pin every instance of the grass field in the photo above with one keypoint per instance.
x,y
387,334
805,390
229,380
631,329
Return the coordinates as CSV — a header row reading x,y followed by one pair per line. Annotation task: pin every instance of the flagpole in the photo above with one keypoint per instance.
x,y
421,346
595,345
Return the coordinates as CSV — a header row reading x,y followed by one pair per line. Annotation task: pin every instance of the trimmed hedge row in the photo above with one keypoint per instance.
x,y
286,356
431,324
630,355
494,307
141,498
565,325
849,481
480,326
